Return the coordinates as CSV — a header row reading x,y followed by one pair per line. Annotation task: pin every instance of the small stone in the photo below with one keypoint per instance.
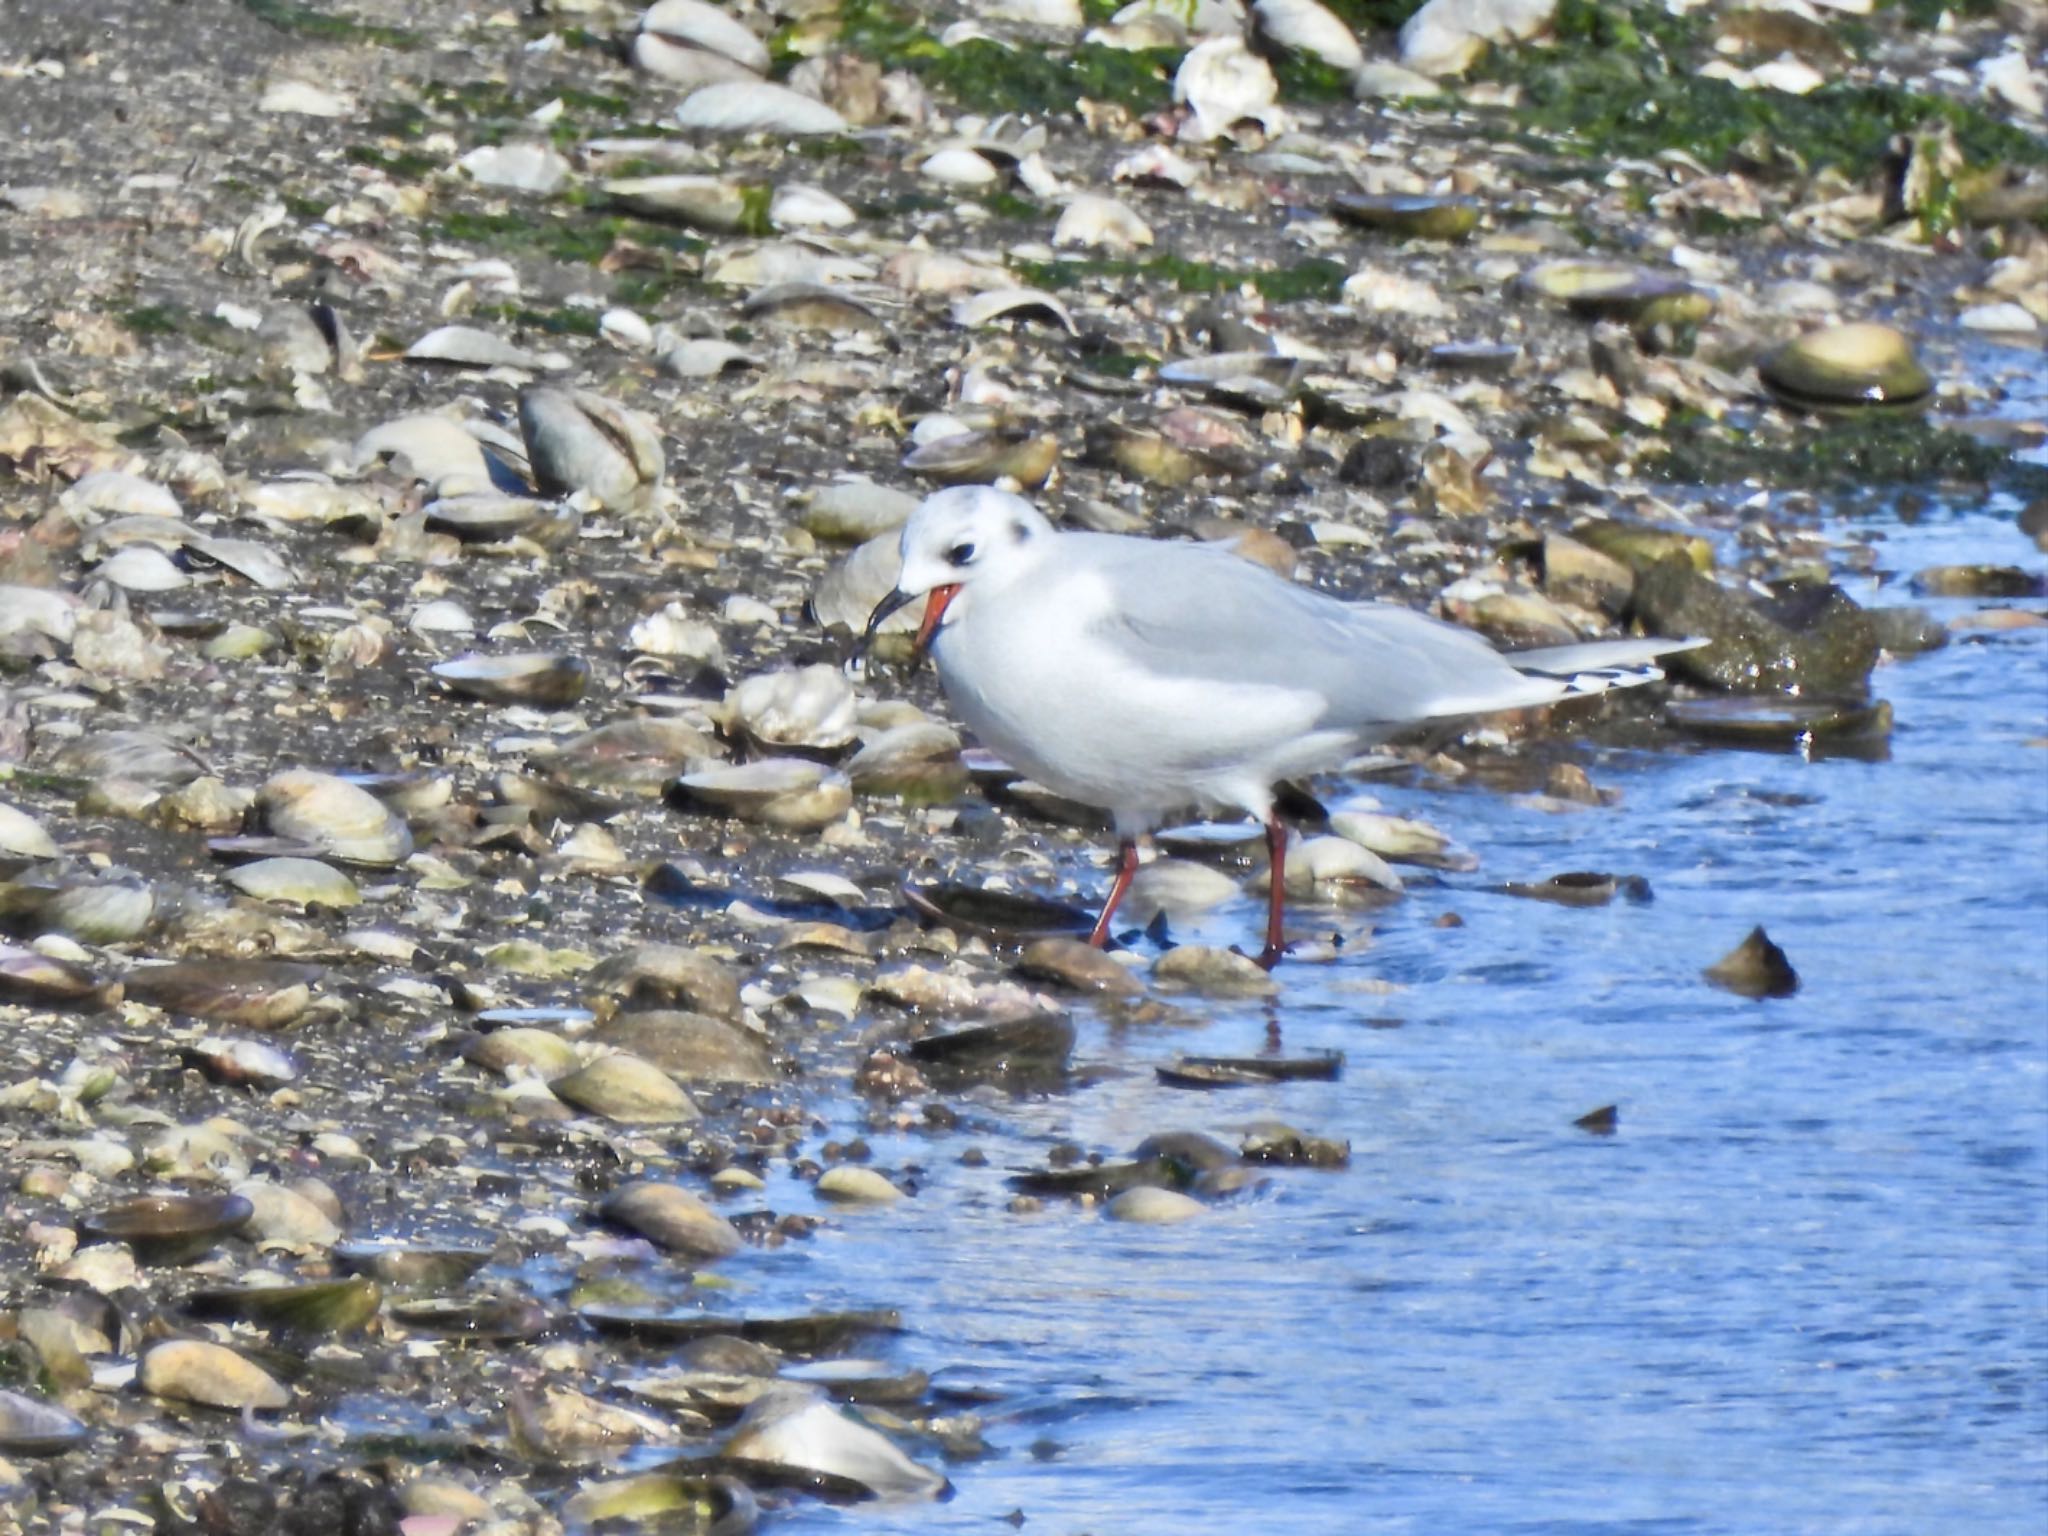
x,y
673,1218
856,1186
1754,968
628,1091
1148,1205
1216,972
1077,965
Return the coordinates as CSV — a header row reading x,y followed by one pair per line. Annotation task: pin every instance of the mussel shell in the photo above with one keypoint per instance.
x,y
168,1229
31,1427
1037,1045
710,1504
1847,367
37,980
996,917
323,1307
811,1333
539,678
1428,218
255,994
427,1265
497,1319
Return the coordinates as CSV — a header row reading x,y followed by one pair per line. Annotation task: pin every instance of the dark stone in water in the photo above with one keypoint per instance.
x,y
1102,1180
1808,636
1603,1121
1193,1150
811,1333
1754,968
672,887
1581,888
1838,725
1030,1048
1244,1071
496,1319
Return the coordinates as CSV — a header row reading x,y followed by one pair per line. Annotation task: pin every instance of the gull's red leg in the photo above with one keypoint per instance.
x,y
1127,866
1276,901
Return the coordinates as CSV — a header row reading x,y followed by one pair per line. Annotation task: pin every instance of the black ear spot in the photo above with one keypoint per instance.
x,y
1021,532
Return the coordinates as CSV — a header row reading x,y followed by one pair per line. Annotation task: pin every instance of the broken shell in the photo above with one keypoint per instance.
x,y
580,441
793,1429
806,709
253,994
986,308
1423,218
1846,366
211,1375
788,792
41,981
333,817
1102,223
800,307
542,679
168,1229
1223,83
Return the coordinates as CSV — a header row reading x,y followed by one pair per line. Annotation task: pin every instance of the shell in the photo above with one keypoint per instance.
x,y
333,817
698,25
543,679
789,792
580,441
747,106
808,708
1846,366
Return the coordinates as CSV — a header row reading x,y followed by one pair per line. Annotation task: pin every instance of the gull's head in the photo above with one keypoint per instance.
x,y
959,537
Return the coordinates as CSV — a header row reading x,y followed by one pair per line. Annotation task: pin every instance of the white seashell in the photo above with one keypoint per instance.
x,y
1223,83
979,309
959,167
779,262
23,836
2010,78
707,27
1446,36
1384,80
516,167
674,633
432,447
38,611
1381,293
304,100
801,207
110,490
1303,26
623,328
1101,222
708,202
1157,165
806,707
142,568
468,347
444,616
1039,179
2009,318
1795,77
792,1426
706,357
689,67
756,107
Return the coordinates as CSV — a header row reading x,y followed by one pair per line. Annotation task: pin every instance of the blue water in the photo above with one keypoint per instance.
x,y
1803,1289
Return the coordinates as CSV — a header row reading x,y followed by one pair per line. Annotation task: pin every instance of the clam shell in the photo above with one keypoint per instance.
x,y
302,882
704,202
745,106
1427,218
580,441
986,308
467,347
254,994
706,27
334,818
807,708
168,1229
982,458
793,793
670,1500
31,1427
1303,26
543,679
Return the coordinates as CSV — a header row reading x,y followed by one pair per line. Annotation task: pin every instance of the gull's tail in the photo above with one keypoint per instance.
x,y
1599,665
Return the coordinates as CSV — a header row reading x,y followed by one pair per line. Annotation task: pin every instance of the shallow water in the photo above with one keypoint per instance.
x,y
1803,1289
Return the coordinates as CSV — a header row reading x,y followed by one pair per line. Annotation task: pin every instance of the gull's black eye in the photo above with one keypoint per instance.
x,y
959,555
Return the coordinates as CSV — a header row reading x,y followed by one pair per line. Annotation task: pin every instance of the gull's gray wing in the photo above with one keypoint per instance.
x,y
1193,611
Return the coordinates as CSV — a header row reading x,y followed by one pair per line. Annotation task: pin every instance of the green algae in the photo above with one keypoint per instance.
x,y
1867,450
323,26
1315,279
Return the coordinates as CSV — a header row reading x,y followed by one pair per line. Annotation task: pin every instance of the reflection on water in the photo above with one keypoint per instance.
x,y
1802,1289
